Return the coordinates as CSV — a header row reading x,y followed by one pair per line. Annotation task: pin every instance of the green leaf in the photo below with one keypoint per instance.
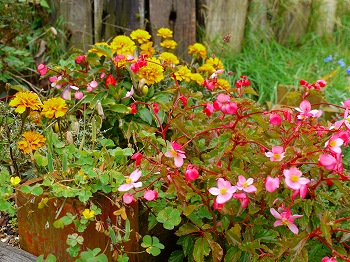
x,y
260,120
40,160
146,241
25,189
268,236
119,108
37,190
105,50
176,256
58,224
51,258
233,254
154,251
186,229
200,249
40,258
43,3
112,235
249,90
170,217
145,115
217,252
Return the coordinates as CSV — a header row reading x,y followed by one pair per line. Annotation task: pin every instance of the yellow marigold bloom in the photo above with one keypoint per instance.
x,y
32,141
94,50
54,107
183,74
15,180
198,78
123,45
152,72
168,58
198,49
215,62
140,35
87,213
207,68
223,83
24,100
171,44
35,117
165,32
147,48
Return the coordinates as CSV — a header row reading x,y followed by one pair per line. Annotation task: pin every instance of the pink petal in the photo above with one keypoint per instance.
x,y
168,154
135,175
232,189
277,150
275,213
304,181
277,223
214,191
221,183
223,198
125,187
250,189
269,154
241,179
179,161
293,228
250,181
138,184
305,106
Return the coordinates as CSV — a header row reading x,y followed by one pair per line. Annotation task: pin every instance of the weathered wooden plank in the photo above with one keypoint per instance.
x,y
11,254
227,17
326,15
179,16
259,26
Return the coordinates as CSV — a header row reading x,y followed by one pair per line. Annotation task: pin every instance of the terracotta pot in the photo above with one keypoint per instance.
x,y
38,236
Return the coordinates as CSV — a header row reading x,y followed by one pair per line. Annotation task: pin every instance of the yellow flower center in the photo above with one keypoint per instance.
x,y
294,178
285,222
245,184
348,119
223,191
276,156
333,143
128,180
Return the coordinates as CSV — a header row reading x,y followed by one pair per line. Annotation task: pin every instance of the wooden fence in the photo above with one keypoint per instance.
x,y
91,21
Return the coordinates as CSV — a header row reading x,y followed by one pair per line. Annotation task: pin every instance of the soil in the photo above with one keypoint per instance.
x,y
8,231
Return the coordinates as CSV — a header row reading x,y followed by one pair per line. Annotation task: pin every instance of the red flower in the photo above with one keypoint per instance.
x,y
183,100
137,157
133,109
110,80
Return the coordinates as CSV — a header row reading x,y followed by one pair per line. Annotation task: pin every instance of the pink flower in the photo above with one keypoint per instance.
x,y
131,181
66,93
191,173
223,192
346,103
345,121
329,259
129,93
92,85
334,144
271,184
218,206
327,161
137,157
275,119
302,191
224,104
216,73
150,195
80,58
276,154
128,198
306,112
242,197
54,81
293,178
245,185
176,153
344,135
286,219
42,69
208,110
78,95
209,83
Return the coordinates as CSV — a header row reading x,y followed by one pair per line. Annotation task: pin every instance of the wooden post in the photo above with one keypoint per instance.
x,y
326,15
227,17
179,16
259,27
78,15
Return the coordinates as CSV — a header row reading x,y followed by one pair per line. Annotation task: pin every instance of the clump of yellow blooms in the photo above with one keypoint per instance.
x,y
152,72
183,74
140,35
15,180
25,100
54,107
198,50
170,44
88,214
169,58
165,32
123,45
31,141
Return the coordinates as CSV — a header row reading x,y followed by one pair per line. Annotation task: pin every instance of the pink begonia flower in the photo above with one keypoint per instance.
x,y
191,173
327,161
216,73
293,178
329,259
129,93
78,95
344,135
131,181
102,75
224,104
80,58
286,219
208,110
54,81
42,69
137,157
223,192
276,154
346,103
150,195
345,121
302,191
128,198
91,86
271,184
176,153
217,206
209,83
275,119
245,184
334,144
242,197
306,112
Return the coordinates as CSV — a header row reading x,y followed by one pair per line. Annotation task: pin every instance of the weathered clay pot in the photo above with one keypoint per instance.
x,y
38,235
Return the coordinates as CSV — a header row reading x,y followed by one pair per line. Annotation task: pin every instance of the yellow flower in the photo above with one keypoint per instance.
x,y
123,45
87,213
24,100
54,107
198,78
168,58
183,74
211,65
198,49
140,35
15,180
165,32
94,50
223,84
32,141
171,44
152,72
147,48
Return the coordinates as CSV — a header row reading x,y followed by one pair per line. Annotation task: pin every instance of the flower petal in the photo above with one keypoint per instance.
x,y
293,228
275,213
125,187
214,191
223,198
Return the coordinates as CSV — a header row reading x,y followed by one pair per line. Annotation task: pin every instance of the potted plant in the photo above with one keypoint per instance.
x,y
233,181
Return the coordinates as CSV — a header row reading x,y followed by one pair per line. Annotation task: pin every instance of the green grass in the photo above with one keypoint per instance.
x,y
269,64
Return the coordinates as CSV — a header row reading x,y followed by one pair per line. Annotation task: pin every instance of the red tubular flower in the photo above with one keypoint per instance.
x,y
137,157
183,100
133,109
110,80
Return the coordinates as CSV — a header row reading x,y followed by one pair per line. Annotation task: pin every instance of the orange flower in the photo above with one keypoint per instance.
x,y
32,141
24,100
147,48
54,107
